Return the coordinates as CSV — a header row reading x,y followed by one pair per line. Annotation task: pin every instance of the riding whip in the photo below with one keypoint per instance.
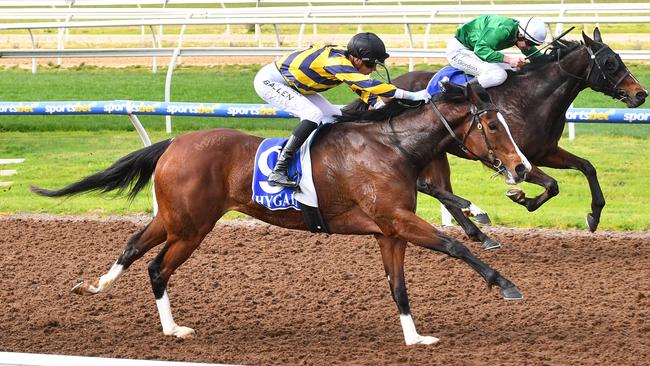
x,y
555,39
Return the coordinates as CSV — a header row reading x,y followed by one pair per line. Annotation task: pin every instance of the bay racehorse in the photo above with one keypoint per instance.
x,y
365,175
534,101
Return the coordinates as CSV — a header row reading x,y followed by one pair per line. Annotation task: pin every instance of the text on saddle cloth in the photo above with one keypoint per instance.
x,y
454,75
280,198
274,197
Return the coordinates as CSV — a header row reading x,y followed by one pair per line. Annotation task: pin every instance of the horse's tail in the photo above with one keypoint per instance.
x,y
133,170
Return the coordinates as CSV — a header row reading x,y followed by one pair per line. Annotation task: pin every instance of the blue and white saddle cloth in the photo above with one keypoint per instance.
x,y
281,198
454,75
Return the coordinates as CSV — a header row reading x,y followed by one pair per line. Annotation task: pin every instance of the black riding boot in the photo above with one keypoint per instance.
x,y
280,174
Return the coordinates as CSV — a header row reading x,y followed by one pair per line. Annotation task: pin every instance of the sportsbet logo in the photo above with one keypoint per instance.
x,y
252,111
18,108
190,109
592,115
69,108
636,117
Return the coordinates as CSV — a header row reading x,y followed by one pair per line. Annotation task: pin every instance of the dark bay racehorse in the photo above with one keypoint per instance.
x,y
534,102
365,174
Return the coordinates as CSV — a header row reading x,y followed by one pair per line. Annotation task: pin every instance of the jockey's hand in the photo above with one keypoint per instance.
x,y
422,95
515,61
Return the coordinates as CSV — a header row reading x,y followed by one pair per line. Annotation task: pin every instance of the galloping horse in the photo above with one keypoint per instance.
x,y
534,101
365,175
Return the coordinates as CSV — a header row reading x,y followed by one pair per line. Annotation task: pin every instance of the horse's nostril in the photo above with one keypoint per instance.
x,y
641,95
520,169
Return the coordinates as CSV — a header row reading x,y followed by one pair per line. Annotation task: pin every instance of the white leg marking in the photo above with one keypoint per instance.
x,y
103,284
107,280
475,210
411,335
167,320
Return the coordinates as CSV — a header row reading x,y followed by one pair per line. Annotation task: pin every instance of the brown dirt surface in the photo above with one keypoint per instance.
x,y
262,295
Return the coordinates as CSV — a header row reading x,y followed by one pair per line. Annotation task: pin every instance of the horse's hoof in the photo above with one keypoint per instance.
x,y
592,222
490,244
511,293
483,219
82,288
516,195
422,340
181,332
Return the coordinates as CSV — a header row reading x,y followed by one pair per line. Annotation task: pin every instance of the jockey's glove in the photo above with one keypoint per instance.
x,y
416,96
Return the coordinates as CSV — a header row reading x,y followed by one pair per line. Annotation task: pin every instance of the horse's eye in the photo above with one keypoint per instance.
x,y
492,126
611,64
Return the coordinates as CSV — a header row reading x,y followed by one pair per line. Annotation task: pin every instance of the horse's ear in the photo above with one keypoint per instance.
x,y
588,41
597,36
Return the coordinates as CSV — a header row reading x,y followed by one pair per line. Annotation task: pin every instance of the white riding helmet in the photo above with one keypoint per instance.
x,y
533,30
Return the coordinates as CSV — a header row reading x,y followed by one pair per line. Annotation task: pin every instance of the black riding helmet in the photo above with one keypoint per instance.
x,y
368,47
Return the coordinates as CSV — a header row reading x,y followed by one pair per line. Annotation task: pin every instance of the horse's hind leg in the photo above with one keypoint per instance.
x,y
392,254
180,245
152,235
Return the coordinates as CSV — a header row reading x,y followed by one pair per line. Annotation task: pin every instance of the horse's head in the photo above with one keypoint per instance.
x,y
609,75
484,134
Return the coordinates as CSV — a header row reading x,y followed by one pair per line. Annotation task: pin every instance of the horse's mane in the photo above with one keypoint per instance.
x,y
357,111
557,51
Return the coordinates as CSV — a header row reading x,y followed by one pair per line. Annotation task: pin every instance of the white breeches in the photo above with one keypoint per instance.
x,y
271,86
488,74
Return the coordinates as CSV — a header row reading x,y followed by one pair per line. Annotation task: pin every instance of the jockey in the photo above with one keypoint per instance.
x,y
475,48
293,82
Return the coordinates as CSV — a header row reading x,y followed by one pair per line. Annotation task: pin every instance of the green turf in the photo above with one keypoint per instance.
x,y
60,150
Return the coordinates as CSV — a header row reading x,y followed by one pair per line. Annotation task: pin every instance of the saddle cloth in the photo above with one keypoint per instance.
x,y
454,75
281,198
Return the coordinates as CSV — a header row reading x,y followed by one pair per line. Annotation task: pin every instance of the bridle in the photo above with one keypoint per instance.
x,y
598,77
493,161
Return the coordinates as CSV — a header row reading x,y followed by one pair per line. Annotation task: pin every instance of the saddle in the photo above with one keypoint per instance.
x,y
303,198
454,75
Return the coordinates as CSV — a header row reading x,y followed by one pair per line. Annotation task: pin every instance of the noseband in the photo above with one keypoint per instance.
x,y
493,161
598,77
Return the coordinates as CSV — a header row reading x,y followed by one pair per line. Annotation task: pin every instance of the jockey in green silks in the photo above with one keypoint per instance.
x,y
475,48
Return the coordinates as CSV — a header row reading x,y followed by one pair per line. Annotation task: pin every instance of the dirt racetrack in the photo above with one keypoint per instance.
x,y
262,295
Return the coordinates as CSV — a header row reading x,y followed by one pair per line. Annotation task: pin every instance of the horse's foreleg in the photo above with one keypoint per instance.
x,y
392,254
435,181
408,226
450,200
152,235
538,177
563,159
471,230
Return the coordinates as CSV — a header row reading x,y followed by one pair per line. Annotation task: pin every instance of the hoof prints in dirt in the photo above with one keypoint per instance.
x,y
263,295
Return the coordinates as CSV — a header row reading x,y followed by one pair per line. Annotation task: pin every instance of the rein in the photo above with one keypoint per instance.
x,y
494,162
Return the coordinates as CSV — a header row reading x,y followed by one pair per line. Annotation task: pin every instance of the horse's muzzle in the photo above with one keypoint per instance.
x,y
633,101
521,171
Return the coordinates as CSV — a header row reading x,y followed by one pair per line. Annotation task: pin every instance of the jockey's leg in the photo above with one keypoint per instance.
x,y
326,114
492,74
271,86
329,110
487,74
280,174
